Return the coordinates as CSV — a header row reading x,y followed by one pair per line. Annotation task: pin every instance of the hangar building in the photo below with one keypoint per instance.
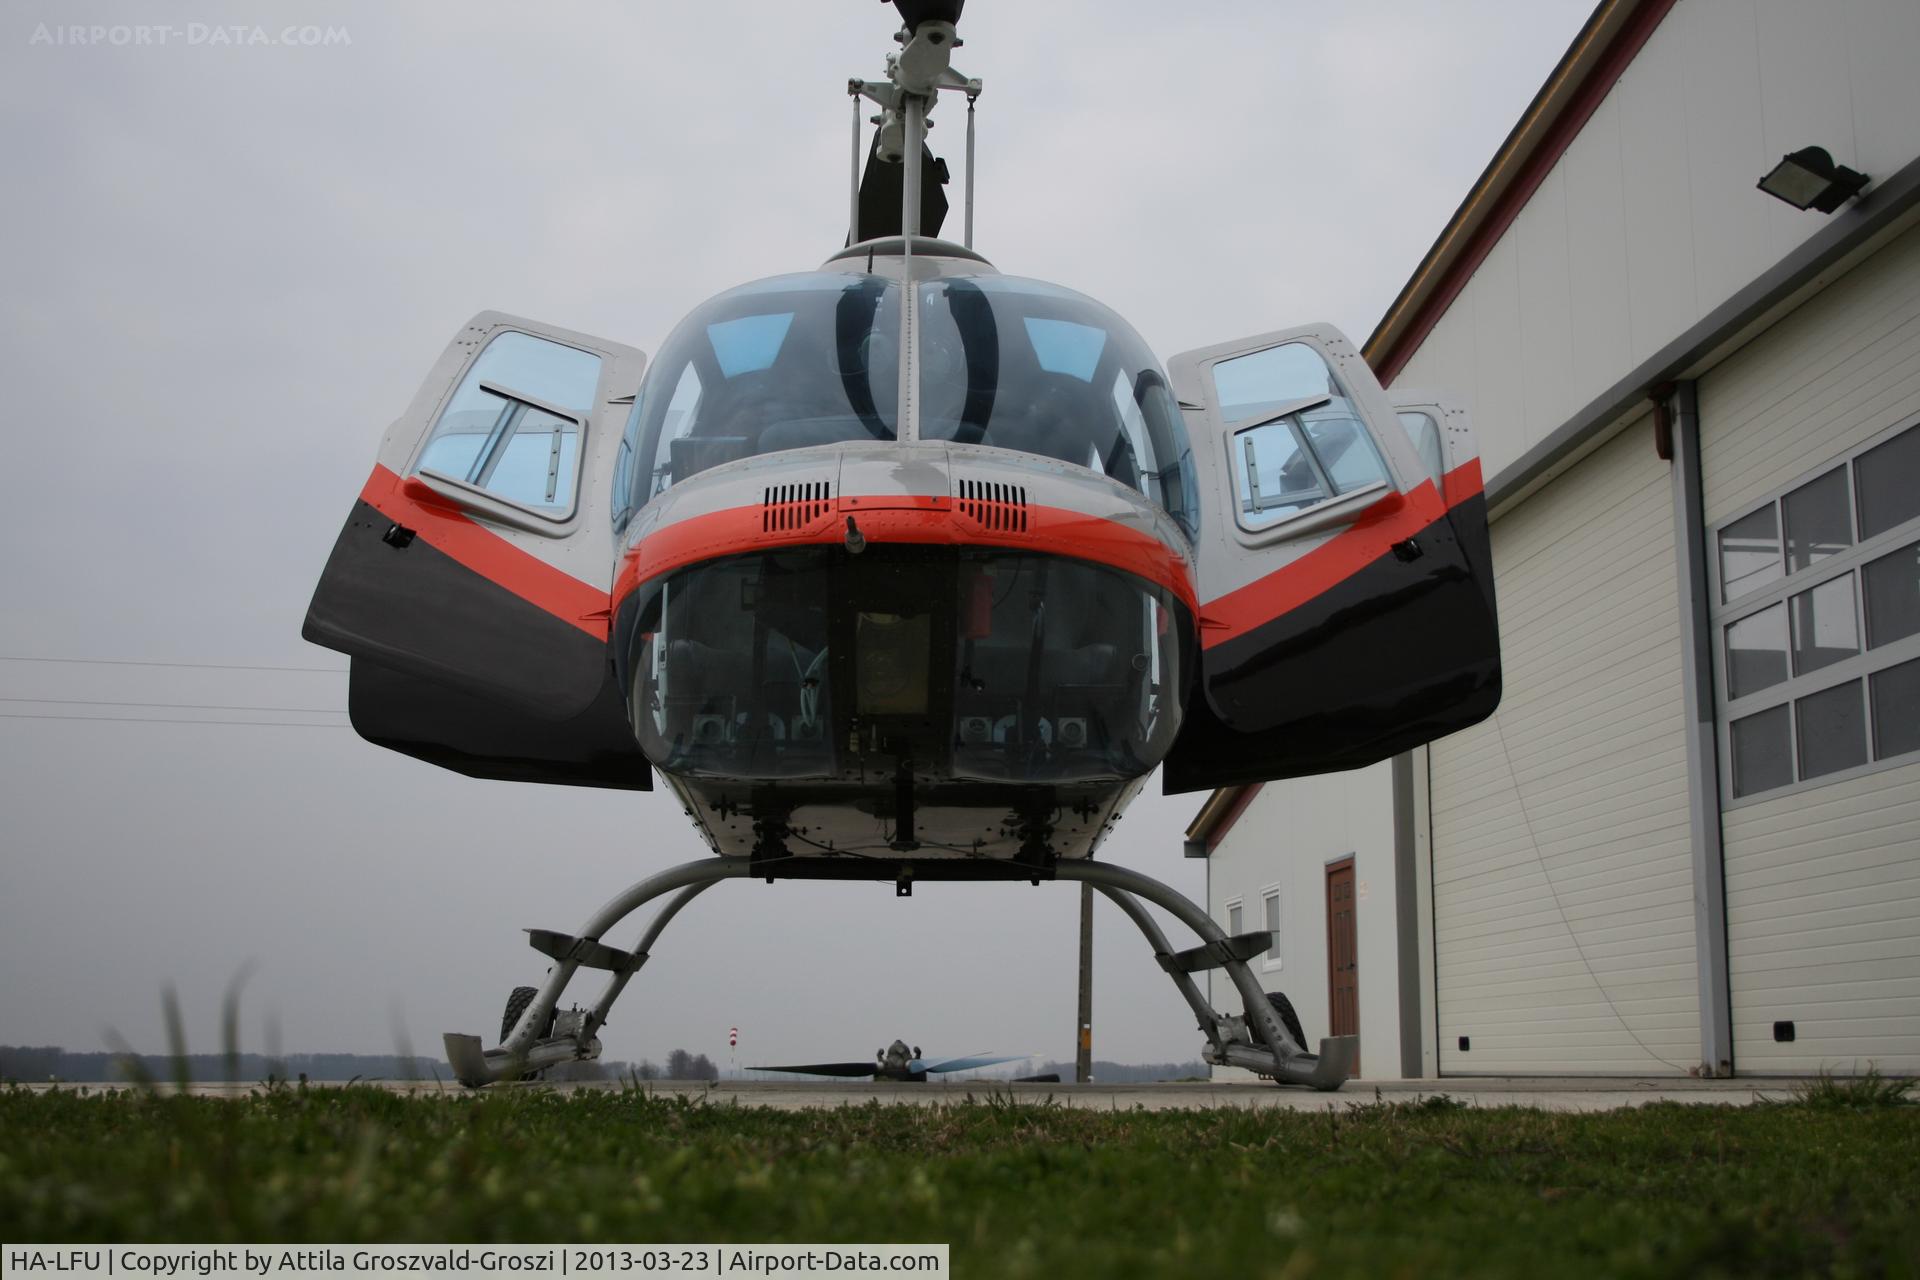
x,y
1689,840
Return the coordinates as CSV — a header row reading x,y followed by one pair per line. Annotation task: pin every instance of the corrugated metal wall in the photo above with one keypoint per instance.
x,y
1823,886
1562,889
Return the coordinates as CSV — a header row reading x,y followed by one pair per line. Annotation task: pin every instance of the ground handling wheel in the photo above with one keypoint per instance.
x,y
516,1005
1288,1018
1283,1009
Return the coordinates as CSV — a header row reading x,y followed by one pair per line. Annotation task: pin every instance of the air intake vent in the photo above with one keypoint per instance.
x,y
788,508
999,507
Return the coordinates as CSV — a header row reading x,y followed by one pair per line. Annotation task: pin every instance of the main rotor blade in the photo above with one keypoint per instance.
x,y
849,1069
882,188
968,1064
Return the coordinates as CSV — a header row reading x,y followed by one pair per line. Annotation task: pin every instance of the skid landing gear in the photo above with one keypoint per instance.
x,y
1259,1038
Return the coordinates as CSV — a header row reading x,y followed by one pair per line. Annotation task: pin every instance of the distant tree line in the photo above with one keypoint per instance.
x,y
26,1063
680,1065
40,1063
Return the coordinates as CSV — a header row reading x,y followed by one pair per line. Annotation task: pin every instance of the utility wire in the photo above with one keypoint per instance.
x,y
176,706
199,666
283,724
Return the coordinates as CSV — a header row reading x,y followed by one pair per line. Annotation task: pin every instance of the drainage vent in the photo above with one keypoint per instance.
x,y
787,508
1001,508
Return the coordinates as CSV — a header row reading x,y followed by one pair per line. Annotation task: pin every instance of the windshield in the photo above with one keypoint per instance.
x,y
951,663
778,364
1021,364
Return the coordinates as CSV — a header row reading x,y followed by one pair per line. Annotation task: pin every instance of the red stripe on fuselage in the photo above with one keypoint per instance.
x,y
1393,519
448,530
1049,530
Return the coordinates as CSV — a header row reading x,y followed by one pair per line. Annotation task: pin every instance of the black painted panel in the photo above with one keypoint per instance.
x,y
417,610
482,739
1396,655
451,668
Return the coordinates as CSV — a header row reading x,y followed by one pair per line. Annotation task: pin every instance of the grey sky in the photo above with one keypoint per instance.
x,y
225,267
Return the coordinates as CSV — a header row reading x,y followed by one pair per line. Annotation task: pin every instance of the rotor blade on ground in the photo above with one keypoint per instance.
x,y
826,1069
968,1064
918,1063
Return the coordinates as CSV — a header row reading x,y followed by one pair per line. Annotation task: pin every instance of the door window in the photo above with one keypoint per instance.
x,y
1261,384
1313,446
1277,474
512,427
1425,434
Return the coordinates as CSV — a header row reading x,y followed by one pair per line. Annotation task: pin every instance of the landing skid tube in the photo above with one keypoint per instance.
x,y
1255,1039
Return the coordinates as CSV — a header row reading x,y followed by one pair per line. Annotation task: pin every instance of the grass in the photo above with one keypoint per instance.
x,y
1866,1090
1794,1188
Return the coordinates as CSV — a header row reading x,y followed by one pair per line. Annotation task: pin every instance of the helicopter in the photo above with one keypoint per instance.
x,y
905,1065
902,569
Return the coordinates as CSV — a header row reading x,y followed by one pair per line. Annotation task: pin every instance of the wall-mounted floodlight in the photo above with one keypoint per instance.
x,y
1809,179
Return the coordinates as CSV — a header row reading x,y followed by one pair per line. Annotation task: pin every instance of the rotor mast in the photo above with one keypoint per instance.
x,y
916,73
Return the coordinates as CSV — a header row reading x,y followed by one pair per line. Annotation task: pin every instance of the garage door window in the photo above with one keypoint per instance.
x,y
1819,624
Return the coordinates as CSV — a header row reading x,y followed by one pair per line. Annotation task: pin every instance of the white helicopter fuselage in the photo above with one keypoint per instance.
x,y
903,568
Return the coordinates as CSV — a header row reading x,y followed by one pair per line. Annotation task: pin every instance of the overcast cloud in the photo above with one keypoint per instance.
x,y
223,270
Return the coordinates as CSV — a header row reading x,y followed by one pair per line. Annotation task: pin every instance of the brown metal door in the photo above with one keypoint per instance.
x,y
1343,954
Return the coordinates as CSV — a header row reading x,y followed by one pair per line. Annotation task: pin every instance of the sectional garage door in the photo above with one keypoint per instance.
x,y
1562,890
1823,877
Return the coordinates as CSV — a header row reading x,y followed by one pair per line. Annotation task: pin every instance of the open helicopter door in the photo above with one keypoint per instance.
x,y
470,584
1346,590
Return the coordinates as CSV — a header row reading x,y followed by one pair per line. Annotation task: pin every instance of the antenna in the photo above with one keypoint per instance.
x,y
915,75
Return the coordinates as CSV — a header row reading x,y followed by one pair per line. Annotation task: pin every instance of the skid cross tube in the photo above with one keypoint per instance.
x,y
1258,1042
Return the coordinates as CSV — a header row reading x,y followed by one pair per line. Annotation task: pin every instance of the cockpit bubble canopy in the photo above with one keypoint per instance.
x,y
814,359
778,364
1021,364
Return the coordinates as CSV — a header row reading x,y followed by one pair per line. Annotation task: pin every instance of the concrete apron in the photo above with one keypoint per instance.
x,y
1587,1093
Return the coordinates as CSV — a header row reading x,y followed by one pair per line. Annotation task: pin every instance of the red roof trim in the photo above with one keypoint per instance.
x,y
1232,815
